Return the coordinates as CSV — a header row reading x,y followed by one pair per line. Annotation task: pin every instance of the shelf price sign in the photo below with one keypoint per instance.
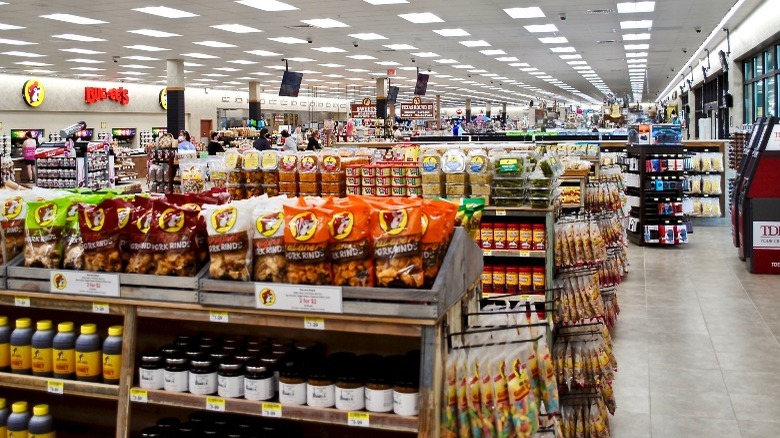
x,y
298,298
100,307
272,410
358,419
22,301
314,323
84,283
218,316
55,387
215,404
139,395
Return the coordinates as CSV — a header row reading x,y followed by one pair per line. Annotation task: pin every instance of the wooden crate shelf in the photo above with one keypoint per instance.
x,y
70,387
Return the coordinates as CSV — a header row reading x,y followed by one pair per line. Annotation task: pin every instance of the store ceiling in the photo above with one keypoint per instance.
x,y
516,68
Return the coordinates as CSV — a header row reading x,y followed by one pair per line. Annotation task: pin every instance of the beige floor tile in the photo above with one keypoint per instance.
x,y
701,404
756,407
626,424
675,380
666,426
757,429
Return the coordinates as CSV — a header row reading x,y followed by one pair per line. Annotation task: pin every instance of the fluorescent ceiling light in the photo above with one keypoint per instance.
x,y
74,37
165,12
581,67
577,56
456,32
635,7
563,49
400,47
361,57
215,44
554,40
236,28
537,28
328,49
636,61
263,53
489,75
85,61
299,59
519,64
507,59
22,54
35,64
146,48
636,36
358,70
215,75
421,18
537,73
367,36
15,42
73,19
577,62
10,27
154,33
492,52
325,23
242,62
268,5
260,73
637,70
230,69
132,73
636,55
192,64
532,12
331,65
464,66
476,43
288,40
529,69
388,63
333,76
199,56
425,54
138,66
446,61
478,71
385,2
83,51
585,72
40,71
88,69
637,46
639,24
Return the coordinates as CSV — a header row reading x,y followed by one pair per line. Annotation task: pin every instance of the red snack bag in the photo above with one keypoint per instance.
x,y
99,236
139,260
172,238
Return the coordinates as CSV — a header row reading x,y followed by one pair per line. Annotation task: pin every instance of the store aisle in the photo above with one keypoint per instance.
x,y
697,344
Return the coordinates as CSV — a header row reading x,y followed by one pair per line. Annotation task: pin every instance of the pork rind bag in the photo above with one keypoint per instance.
x,y
45,223
139,249
73,249
269,261
306,244
350,244
438,224
100,236
229,238
172,236
396,231
13,216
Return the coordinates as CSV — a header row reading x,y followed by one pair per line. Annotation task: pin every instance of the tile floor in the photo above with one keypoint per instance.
x,y
697,344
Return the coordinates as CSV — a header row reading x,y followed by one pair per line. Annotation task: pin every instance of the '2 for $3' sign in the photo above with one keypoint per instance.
x,y
95,94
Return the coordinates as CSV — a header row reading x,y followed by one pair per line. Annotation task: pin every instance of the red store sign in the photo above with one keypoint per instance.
x,y
94,94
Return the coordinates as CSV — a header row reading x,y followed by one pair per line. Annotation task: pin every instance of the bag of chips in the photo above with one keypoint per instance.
x,y
306,244
438,224
229,236
139,249
13,216
269,262
350,244
73,249
396,231
99,236
45,223
172,237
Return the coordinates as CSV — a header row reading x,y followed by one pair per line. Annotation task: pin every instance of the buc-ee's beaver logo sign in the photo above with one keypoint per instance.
x,y
59,281
33,93
303,226
267,297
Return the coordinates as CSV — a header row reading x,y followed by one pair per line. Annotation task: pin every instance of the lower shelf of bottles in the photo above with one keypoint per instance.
x,y
382,421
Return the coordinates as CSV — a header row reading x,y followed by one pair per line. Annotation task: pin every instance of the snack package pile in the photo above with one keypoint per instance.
x,y
499,383
584,361
580,299
603,196
585,417
578,243
706,162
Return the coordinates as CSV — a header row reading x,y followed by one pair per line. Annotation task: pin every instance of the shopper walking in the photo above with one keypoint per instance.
x,y
314,141
262,143
288,142
28,149
215,147
184,141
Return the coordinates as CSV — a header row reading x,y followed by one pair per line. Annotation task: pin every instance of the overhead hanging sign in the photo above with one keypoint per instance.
x,y
418,110
95,94
364,110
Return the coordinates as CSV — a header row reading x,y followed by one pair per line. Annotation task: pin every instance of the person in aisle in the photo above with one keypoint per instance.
x,y
262,143
314,141
184,141
28,149
397,134
349,130
288,142
215,147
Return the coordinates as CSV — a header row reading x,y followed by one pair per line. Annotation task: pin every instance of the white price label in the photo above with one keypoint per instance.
x,y
487,252
139,395
273,410
500,212
298,298
100,308
314,323
218,316
524,253
84,283
55,387
22,301
215,404
358,419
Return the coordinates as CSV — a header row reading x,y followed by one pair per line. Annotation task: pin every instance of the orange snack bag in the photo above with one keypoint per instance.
x,y
306,239
396,231
350,243
438,223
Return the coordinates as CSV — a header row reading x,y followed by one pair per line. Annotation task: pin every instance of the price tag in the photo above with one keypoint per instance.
x,y
358,419
22,301
500,212
314,323
55,387
100,307
217,316
524,253
273,410
139,395
487,252
215,404
84,283
298,298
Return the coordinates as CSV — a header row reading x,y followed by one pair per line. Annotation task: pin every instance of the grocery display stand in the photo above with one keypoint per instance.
x,y
410,317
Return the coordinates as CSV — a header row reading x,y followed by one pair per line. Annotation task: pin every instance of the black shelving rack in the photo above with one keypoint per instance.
x,y
647,213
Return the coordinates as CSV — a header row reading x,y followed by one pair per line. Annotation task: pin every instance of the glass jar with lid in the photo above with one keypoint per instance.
x,y
258,381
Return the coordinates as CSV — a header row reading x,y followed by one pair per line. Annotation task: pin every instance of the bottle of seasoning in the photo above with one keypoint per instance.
x,y
42,423
42,363
5,345
406,394
19,420
176,377
487,279
526,237
21,349
230,379
511,280
513,236
188,429
320,388
185,341
486,235
258,381
379,390
538,279
499,280
499,236
350,390
292,386
112,355
151,372
4,413
203,376
88,355
525,279
64,351
539,237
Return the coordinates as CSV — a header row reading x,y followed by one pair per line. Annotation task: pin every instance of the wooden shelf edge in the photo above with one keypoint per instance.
x,y
332,416
514,253
70,387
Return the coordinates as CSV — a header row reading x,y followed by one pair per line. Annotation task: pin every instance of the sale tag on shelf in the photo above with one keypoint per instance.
x,y
273,410
100,307
84,283
139,395
215,404
298,298
314,323
358,419
22,301
218,316
500,212
55,387
487,252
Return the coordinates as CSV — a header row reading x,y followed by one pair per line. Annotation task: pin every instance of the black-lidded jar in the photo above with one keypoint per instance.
x,y
185,341
168,424
320,388
153,432
379,388
170,350
244,356
292,386
258,381
177,374
203,376
271,362
350,390
406,392
219,356
230,379
188,429
151,372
